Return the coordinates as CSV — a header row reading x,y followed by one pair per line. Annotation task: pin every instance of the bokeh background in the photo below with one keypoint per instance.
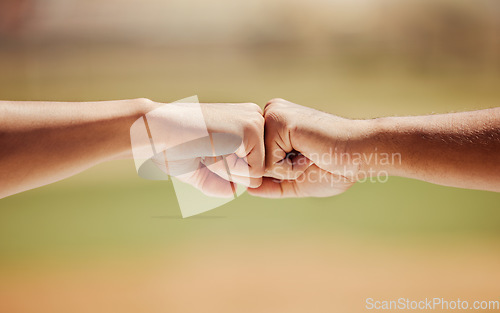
x,y
107,241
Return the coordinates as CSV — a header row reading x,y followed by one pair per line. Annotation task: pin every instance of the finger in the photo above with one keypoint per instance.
x,y
193,172
238,170
273,188
282,161
252,149
235,165
291,167
276,139
248,160
255,155
252,182
209,183
314,182
275,101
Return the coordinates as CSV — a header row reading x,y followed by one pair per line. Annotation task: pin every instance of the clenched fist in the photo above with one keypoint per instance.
x,y
306,152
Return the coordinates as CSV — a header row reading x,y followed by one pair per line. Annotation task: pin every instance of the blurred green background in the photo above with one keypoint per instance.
x,y
106,240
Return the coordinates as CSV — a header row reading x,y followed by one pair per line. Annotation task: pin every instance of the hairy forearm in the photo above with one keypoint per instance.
x,y
43,142
457,149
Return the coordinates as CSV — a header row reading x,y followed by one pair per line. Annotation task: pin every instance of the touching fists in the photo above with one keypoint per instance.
x,y
289,150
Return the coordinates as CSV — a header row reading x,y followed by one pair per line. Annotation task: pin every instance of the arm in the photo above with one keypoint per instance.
x,y
43,142
459,149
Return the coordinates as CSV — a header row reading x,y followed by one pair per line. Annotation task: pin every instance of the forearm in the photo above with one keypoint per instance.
x,y
43,142
458,149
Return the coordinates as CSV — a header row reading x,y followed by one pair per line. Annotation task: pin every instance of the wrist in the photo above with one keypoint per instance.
x,y
377,147
142,106
162,126
131,110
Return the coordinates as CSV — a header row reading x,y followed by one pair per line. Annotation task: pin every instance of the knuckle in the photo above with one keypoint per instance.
x,y
258,119
274,117
275,103
254,106
276,100
143,101
146,100
254,124
269,105
256,182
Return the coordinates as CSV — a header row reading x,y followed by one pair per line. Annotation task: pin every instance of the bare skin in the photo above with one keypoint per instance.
x,y
44,142
300,151
458,149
